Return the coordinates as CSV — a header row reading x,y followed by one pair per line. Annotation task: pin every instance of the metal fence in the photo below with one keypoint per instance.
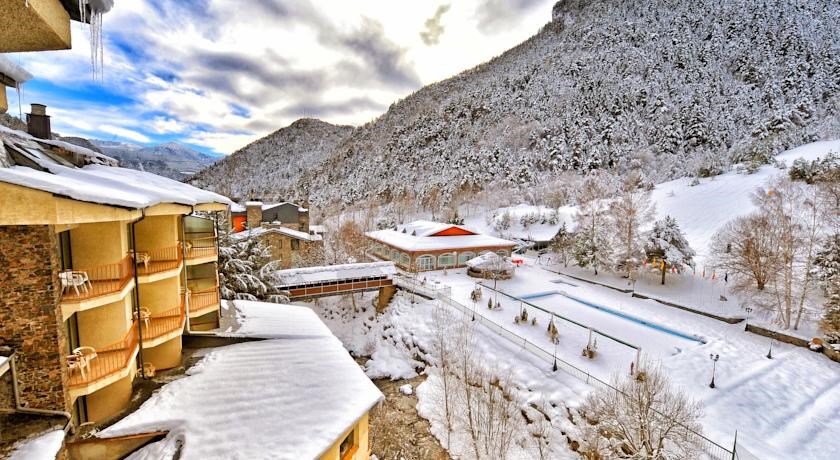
x,y
713,450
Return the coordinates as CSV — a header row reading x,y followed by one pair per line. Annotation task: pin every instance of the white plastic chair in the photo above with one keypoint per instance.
x,y
83,357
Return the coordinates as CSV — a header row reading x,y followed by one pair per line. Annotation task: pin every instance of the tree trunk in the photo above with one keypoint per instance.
x,y
663,273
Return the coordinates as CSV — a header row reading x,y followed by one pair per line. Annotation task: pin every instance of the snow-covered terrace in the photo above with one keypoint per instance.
x,y
99,180
332,273
290,398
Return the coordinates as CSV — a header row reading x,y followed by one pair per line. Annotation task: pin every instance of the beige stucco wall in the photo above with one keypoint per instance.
x,y
26,206
105,325
362,440
164,356
39,26
110,400
155,232
98,243
161,295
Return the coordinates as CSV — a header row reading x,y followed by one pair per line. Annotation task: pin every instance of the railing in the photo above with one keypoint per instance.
x,y
165,322
713,450
201,247
109,360
103,280
158,260
205,299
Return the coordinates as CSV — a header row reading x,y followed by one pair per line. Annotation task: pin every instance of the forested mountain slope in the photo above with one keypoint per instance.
x,y
269,168
674,87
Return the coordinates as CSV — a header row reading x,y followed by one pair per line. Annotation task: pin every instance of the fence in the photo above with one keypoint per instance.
x,y
158,260
712,450
109,360
104,279
203,301
201,247
165,322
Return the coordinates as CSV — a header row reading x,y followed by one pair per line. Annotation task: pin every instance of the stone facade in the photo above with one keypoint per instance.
x,y
30,314
7,391
253,214
281,246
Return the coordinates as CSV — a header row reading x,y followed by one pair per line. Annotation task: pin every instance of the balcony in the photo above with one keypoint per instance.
x,y
85,288
201,250
90,372
204,301
164,326
157,264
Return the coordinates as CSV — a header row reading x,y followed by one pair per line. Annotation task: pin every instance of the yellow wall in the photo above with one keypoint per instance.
x,y
161,295
41,25
362,440
4,104
110,400
202,276
164,356
98,243
104,325
26,206
155,232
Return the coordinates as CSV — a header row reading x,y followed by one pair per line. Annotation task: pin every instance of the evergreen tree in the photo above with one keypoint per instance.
x,y
827,268
667,246
593,243
245,269
563,244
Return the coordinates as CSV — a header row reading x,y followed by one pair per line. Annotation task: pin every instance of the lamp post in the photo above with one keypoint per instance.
x,y
554,368
714,359
770,352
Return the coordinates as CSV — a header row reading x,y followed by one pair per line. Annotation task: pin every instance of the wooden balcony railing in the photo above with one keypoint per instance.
x,y
165,322
158,260
204,300
201,247
101,280
109,360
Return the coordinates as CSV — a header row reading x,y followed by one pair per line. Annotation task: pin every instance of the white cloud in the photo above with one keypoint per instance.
x,y
124,133
240,72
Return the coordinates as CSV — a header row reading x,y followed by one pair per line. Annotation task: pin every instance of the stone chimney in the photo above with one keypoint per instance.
x,y
303,217
38,122
253,214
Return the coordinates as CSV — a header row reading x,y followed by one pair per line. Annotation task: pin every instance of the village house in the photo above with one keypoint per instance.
x,y
424,245
102,268
283,227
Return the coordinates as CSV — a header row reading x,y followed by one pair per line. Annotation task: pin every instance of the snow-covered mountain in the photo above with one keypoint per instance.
x,y
270,168
674,87
171,159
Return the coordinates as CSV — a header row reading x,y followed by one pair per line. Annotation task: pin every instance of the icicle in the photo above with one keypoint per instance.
x,y
20,104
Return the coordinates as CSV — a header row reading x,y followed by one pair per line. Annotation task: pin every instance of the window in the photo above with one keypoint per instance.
x,y
446,260
426,263
64,249
405,260
395,256
295,245
464,257
502,253
348,446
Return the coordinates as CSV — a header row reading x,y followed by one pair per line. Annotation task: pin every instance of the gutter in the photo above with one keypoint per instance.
x,y
137,294
25,410
184,279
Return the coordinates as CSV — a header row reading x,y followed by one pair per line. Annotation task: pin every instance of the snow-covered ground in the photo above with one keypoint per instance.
x,y
548,222
781,407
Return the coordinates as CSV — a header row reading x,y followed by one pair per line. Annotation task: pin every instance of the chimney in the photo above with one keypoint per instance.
x,y
253,214
38,122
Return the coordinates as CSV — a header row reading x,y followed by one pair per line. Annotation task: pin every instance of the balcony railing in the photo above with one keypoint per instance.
x,y
201,247
108,360
87,283
165,322
158,260
204,301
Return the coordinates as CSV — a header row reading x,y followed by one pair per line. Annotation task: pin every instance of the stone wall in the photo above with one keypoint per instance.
x,y
7,392
30,314
253,215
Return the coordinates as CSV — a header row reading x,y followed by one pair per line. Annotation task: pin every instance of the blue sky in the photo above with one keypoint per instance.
x,y
215,75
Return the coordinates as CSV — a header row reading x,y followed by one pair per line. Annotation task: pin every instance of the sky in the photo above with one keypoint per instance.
x,y
217,75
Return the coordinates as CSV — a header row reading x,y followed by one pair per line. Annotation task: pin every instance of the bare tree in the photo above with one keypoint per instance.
x,y
645,418
593,240
628,212
746,246
444,354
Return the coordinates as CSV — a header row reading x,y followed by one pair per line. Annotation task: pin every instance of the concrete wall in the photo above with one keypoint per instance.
x,y
104,325
30,315
164,356
98,244
109,401
157,232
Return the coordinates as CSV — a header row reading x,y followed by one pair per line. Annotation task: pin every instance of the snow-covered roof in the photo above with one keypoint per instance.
x,y
236,207
286,398
416,238
97,181
489,261
276,229
13,71
318,228
308,275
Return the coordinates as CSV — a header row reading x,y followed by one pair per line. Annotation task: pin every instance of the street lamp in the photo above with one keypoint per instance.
x,y
555,357
770,352
714,359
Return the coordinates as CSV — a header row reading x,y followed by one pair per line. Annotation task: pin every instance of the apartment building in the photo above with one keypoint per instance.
x,y
102,269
